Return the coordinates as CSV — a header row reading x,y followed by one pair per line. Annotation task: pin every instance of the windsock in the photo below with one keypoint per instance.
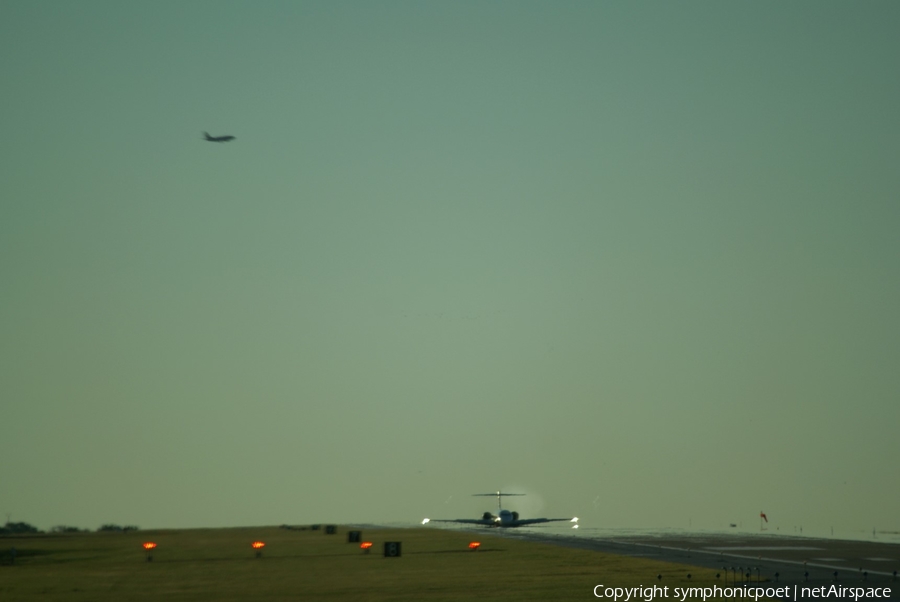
x,y
762,515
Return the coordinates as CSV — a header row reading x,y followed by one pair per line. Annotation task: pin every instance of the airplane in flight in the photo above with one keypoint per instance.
x,y
503,518
209,138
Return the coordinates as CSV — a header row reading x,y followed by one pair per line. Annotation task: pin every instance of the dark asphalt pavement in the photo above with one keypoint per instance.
x,y
807,562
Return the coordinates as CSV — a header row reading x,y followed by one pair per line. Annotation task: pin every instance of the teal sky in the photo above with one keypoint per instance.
x,y
640,260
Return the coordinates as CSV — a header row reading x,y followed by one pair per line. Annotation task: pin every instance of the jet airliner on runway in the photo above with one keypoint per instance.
x,y
503,518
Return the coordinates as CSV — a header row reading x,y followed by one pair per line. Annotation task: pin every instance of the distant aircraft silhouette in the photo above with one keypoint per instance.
x,y
503,518
209,138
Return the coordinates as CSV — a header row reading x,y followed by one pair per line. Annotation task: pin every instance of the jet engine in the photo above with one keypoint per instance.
x,y
515,515
487,516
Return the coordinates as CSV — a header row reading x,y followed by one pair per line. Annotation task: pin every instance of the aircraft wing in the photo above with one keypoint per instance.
x,y
465,521
535,521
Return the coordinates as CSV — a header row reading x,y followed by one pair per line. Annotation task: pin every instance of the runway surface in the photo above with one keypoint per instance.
x,y
804,561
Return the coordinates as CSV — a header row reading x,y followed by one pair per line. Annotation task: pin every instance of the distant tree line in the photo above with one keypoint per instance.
x,y
67,529
117,528
20,528
16,528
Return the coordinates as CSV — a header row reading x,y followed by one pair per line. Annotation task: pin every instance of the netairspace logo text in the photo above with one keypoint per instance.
x,y
648,594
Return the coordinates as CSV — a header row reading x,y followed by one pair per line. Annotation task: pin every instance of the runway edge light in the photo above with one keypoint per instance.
x,y
149,545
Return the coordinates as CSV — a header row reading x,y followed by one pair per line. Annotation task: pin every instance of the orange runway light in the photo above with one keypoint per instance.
x,y
258,545
366,545
149,545
474,545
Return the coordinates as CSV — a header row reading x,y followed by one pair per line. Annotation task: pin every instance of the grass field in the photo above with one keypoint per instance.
x,y
219,564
